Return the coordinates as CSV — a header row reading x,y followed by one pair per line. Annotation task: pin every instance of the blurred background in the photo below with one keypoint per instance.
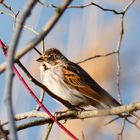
x,y
79,34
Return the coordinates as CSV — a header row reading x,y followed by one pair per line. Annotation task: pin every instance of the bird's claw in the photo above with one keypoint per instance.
x,y
56,114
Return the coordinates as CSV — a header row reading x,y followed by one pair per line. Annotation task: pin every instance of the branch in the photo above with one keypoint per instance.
x,y
73,114
120,134
9,74
119,48
7,7
47,132
42,95
133,123
82,6
7,14
97,56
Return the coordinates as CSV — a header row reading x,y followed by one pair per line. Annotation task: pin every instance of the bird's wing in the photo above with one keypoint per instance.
x,y
78,78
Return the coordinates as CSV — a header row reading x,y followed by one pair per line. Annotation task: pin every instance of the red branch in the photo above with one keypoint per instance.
x,y
4,48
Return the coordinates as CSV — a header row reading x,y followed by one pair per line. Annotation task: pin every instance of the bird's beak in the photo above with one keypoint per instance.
x,y
40,59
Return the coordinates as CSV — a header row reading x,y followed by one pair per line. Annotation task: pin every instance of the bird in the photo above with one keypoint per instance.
x,y
71,82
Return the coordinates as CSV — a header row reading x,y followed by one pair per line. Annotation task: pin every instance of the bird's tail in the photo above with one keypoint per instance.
x,y
110,101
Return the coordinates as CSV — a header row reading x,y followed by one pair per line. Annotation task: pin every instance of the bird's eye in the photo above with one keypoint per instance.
x,y
50,57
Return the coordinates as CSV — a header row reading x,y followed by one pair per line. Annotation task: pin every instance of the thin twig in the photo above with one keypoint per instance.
x,y
7,7
31,29
40,99
83,136
119,48
7,14
118,58
42,91
128,6
133,123
47,133
116,118
120,134
28,125
81,6
97,56
118,78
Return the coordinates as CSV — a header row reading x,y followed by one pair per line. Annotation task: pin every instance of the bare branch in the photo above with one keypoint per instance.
x,y
7,7
128,6
119,48
42,91
82,6
97,56
74,114
49,128
111,121
40,99
122,130
9,74
134,123
7,14
31,29
83,136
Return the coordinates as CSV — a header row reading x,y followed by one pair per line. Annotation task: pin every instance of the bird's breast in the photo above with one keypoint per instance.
x,y
53,79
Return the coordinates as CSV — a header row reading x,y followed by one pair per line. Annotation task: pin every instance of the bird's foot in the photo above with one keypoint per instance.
x,y
59,113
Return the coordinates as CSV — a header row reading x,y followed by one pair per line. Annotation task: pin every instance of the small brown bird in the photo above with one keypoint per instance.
x,y
72,83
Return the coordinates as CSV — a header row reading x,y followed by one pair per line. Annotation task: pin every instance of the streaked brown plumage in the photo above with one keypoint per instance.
x,y
70,82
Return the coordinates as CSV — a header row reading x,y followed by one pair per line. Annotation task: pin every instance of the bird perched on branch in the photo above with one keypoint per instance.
x,y
70,82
